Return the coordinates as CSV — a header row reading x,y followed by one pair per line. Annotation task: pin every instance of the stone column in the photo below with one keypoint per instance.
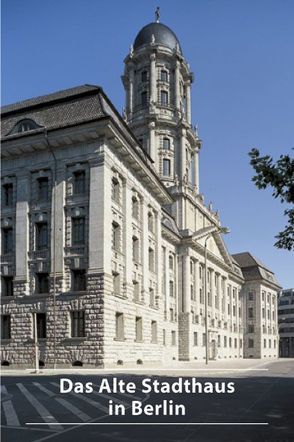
x,y
186,296
185,313
145,246
127,240
158,252
183,154
131,92
152,141
177,86
188,102
153,89
196,170
21,234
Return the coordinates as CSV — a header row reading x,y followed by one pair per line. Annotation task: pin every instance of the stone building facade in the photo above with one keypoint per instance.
x,y
286,323
105,231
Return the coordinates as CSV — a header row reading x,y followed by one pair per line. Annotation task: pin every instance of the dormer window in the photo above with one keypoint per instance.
x,y
25,126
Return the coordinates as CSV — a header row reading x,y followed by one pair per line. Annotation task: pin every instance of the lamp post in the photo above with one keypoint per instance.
x,y
224,230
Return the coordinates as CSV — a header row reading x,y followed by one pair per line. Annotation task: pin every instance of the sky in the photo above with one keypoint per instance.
x,y
241,53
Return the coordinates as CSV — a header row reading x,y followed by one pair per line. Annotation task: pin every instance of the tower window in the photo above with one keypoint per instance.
x,y
166,167
166,143
5,327
41,236
79,280
79,182
144,76
115,190
42,283
163,75
7,285
77,324
164,98
41,325
7,241
135,207
115,236
144,99
43,188
78,231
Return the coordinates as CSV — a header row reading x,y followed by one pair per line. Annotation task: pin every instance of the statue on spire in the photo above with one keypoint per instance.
x,y
157,14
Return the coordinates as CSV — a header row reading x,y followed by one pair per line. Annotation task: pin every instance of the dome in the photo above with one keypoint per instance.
x,y
163,35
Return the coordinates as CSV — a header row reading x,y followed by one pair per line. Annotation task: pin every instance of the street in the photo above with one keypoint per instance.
x,y
261,397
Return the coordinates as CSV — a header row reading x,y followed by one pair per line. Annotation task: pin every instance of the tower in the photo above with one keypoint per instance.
x,y
157,81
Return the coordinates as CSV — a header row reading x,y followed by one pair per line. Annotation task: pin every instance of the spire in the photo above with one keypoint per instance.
x,y
157,14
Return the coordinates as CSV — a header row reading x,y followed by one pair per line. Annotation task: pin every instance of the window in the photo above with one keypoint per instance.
x,y
41,236
79,280
25,125
201,296
41,325
144,99
195,339
5,327
171,315
79,182
163,75
151,259
78,324
163,98
263,313
7,285
250,296
116,283
250,328
150,222
136,290
166,167
203,339
78,231
166,143
163,337
171,289
250,343
264,343
154,332
42,283
119,326
152,297
135,249
115,236
7,244
250,312
135,208
43,188
218,340
230,342
139,329
144,76
170,262
263,296
7,194
173,337
115,190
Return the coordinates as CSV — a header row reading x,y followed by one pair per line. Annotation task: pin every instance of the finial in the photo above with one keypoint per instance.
x,y
196,131
152,39
157,14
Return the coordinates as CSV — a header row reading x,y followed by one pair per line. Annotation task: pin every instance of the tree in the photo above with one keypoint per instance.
x,y
279,176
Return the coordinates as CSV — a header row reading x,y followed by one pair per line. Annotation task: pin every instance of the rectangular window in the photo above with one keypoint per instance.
x,y
225,342
41,236
115,236
7,241
135,249
163,337
42,283
173,337
250,328
78,231
119,326
152,297
154,332
171,289
203,339
79,182
7,286
139,329
136,292
166,143
250,312
251,296
115,190
171,314
79,280
264,343
195,339
163,75
144,76
41,325
144,101
43,189
166,167
7,195
151,259
218,340
164,98
5,327
135,208
116,283
78,324
250,343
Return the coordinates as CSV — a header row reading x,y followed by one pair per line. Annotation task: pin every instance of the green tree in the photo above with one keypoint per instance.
x,y
279,176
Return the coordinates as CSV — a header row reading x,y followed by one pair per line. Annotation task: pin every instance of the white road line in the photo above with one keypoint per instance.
x,y
75,410
9,411
42,411
85,399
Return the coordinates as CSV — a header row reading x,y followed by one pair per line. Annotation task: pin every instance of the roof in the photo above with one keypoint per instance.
x,y
253,269
162,35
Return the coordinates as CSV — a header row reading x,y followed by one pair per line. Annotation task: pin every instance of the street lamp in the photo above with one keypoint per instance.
x,y
224,230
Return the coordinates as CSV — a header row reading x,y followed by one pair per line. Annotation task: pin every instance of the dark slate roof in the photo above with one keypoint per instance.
x,y
253,269
163,35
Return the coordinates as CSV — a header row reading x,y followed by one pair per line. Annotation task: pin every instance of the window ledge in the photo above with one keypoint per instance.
x,y
120,339
73,339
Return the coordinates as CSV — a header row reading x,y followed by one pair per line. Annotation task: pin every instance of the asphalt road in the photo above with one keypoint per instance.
x,y
261,397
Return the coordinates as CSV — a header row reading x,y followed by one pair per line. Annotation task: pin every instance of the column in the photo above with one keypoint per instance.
x,y
183,154
177,86
22,230
131,92
153,94
57,218
145,246
188,102
196,170
152,146
186,296
128,234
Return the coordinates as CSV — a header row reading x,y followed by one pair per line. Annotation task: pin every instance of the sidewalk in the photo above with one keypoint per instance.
x,y
176,369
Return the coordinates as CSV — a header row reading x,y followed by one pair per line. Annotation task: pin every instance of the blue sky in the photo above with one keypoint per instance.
x,y
241,52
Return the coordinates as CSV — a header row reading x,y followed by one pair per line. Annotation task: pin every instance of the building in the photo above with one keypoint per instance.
x,y
105,231
286,323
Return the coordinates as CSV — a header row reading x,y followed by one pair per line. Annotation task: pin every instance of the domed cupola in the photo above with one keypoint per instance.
x,y
157,33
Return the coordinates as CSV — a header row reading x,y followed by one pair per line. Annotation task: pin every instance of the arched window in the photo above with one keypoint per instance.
x,y
24,125
166,143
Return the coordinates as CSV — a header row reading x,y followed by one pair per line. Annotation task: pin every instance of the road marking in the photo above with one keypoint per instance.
x,y
75,410
43,412
85,399
9,411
